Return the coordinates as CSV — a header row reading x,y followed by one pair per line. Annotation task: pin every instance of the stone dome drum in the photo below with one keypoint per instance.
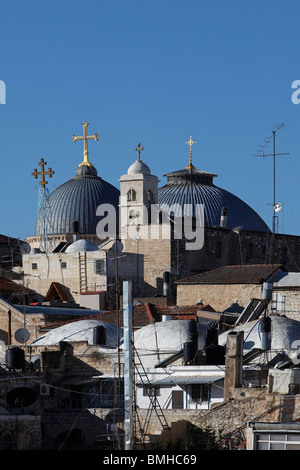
x,y
77,200
192,186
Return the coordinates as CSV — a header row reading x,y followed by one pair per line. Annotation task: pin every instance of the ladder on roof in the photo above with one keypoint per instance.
x,y
154,403
82,272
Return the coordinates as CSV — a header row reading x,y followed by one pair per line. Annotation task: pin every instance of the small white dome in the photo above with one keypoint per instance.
x,y
80,246
138,167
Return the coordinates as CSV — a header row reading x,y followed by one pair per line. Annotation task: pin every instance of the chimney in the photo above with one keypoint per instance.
x,y
233,363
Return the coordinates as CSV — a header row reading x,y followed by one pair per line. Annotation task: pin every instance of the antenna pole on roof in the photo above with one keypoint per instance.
x,y
261,153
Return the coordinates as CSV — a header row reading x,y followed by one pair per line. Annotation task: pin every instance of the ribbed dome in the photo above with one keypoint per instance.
x,y
77,200
192,186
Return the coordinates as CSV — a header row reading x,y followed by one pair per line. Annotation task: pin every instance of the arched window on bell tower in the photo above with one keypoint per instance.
x,y
149,196
131,195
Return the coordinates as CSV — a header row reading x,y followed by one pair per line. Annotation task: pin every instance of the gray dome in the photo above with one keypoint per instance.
x,y
77,201
138,167
81,246
192,186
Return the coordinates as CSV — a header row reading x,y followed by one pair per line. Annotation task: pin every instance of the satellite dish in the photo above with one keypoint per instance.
x,y
278,207
22,335
117,246
25,248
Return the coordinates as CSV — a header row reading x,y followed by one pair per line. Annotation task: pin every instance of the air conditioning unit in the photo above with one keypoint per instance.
x,y
45,389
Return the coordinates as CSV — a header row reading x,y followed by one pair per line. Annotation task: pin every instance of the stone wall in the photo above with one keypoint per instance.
x,y
229,418
219,297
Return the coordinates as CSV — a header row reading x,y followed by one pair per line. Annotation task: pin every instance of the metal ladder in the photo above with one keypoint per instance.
x,y
82,273
154,403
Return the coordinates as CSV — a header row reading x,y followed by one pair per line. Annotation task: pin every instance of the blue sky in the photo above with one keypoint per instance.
x,y
156,72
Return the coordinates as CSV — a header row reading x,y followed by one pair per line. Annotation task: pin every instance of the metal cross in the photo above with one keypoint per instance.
x,y
85,138
190,142
43,173
139,148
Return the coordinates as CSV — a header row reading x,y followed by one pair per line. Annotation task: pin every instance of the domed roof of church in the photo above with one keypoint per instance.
x,y
77,200
192,186
138,167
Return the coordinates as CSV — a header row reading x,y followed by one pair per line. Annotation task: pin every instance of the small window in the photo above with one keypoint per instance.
x,y
199,392
34,266
177,399
151,391
218,251
131,195
99,266
63,265
7,441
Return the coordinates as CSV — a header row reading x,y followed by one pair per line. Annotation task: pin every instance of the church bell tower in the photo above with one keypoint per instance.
x,y
139,190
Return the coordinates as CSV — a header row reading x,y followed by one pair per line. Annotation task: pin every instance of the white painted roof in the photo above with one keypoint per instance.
x,y
81,330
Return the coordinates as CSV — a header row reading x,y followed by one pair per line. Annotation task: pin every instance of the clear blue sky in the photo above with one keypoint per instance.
x,y
156,72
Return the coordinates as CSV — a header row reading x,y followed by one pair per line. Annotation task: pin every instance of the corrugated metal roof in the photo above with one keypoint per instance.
x,y
241,274
183,380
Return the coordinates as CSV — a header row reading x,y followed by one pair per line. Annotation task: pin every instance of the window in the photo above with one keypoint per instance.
x,y
199,392
150,197
218,251
34,266
177,399
7,441
249,253
63,265
277,441
151,391
99,266
131,195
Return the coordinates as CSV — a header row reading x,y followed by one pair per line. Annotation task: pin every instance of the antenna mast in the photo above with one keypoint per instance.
x,y
261,153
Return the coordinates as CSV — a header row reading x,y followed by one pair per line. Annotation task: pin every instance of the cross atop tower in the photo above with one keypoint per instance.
x,y
85,138
190,142
139,148
43,173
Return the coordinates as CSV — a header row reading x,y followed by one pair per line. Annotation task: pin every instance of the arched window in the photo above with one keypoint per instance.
x,y
7,441
131,195
150,197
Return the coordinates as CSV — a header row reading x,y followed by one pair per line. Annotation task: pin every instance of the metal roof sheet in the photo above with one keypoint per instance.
x,y
183,380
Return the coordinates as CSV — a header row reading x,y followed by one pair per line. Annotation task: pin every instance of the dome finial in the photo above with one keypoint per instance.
x,y
85,138
190,142
139,148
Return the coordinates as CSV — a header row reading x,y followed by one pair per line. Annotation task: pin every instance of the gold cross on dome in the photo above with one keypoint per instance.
x,y
139,148
190,142
43,173
85,138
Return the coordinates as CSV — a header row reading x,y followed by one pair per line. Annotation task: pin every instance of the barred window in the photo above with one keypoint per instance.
x,y
99,266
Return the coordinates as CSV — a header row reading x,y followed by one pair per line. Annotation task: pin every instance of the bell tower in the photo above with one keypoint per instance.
x,y
139,190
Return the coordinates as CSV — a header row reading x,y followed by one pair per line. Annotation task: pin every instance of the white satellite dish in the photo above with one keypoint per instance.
x,y
278,207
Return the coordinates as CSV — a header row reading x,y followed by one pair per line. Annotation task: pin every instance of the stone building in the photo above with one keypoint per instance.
x,y
151,224
225,286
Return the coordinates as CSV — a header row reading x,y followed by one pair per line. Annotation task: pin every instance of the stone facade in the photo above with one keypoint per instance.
x,y
76,271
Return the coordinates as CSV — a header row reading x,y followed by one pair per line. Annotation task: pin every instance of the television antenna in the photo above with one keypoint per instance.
x,y
261,153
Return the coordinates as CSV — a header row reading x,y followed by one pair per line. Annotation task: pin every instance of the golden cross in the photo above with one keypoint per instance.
x,y
43,173
190,142
85,138
139,148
